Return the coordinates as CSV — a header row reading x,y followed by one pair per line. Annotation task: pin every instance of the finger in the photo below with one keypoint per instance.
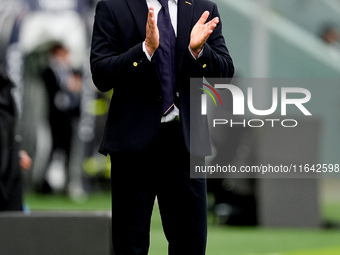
x,y
151,23
204,17
151,14
216,19
207,32
151,10
213,22
212,26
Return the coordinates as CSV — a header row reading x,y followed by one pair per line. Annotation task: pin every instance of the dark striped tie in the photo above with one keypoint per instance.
x,y
166,57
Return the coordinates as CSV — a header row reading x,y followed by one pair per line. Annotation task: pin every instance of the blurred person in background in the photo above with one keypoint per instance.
x,y
63,85
12,160
330,34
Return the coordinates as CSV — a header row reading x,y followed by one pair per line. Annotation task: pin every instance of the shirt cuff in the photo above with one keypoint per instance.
x,y
146,52
199,55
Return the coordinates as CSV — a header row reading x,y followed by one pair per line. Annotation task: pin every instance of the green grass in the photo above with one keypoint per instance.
x,y
247,241
94,202
331,211
222,240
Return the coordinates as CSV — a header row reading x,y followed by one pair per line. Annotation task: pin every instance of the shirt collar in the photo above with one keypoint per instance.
x,y
175,1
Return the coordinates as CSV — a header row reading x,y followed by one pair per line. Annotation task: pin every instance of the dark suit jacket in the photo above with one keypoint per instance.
x,y
118,62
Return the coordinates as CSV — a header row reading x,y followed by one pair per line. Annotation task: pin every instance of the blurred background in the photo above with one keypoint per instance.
x,y
44,46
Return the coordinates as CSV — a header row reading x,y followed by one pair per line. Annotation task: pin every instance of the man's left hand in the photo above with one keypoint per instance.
x,y
201,32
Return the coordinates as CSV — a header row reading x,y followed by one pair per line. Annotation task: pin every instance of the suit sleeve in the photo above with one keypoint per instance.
x,y
215,61
109,63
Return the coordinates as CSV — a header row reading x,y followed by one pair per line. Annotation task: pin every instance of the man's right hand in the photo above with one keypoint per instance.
x,y
152,33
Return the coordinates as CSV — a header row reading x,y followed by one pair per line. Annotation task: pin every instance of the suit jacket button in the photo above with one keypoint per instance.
x,y
135,64
177,94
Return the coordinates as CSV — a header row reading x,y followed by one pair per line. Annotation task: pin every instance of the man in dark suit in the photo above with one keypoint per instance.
x,y
149,142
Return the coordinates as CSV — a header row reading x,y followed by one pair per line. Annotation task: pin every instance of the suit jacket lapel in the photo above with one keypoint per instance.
x,y
184,20
139,11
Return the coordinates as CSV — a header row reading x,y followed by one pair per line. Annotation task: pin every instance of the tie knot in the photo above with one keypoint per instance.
x,y
164,3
